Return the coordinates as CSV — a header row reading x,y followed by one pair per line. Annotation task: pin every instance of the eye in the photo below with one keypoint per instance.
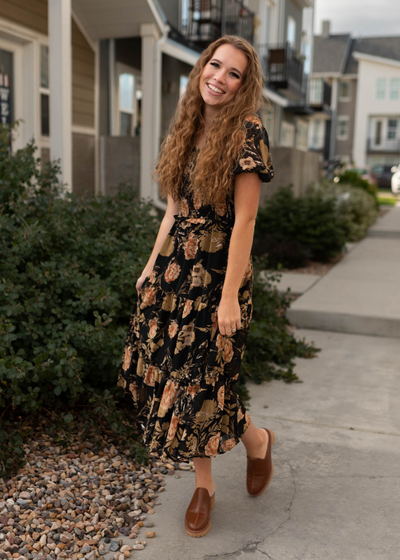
x,y
235,75
214,64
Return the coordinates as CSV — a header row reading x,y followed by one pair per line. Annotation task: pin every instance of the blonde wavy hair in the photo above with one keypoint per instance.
x,y
212,180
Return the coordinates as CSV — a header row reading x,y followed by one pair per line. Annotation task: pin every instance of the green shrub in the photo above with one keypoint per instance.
x,y
68,269
353,178
293,229
355,207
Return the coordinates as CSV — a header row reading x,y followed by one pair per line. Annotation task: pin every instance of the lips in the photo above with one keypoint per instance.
x,y
215,90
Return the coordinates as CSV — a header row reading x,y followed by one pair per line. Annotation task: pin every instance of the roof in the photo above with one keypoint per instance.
x,y
384,47
329,52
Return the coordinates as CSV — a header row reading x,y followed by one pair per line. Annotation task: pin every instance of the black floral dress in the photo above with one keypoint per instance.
x,y
178,370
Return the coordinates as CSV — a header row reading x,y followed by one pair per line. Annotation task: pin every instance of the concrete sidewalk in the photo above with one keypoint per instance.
x,y
334,494
361,294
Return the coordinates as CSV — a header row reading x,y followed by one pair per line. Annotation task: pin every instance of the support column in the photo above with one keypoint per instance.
x,y
149,36
61,86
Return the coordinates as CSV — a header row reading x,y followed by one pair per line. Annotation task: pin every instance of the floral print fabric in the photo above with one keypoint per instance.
x,y
178,370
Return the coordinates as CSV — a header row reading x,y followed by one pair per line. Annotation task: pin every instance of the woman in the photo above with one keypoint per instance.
x,y
187,336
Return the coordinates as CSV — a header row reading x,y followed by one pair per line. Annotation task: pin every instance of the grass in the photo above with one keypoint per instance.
x,y
387,201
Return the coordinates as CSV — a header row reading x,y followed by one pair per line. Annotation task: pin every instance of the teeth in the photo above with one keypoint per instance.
x,y
213,88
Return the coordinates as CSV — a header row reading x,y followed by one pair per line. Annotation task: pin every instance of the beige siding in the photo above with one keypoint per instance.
x,y
82,80
29,13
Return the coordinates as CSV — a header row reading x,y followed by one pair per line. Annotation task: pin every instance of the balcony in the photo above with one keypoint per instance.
x,y
284,71
210,19
386,145
320,95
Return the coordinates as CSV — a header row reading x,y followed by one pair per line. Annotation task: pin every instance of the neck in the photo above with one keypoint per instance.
x,y
209,114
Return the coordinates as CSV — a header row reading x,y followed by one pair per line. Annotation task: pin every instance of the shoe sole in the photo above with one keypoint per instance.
x,y
272,435
203,532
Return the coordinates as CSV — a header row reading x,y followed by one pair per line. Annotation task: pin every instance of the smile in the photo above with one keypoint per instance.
x,y
214,89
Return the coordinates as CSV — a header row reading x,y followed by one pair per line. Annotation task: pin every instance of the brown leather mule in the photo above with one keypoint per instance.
x,y
260,471
197,519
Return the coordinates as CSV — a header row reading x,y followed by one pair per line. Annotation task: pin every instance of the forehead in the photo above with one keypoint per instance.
x,y
231,56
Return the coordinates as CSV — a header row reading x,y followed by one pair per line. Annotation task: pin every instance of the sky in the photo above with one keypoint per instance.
x,y
367,18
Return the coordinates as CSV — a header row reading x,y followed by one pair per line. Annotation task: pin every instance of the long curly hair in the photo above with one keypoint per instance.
x,y
212,179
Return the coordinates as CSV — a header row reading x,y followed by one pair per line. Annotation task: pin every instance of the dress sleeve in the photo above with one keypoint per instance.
x,y
255,156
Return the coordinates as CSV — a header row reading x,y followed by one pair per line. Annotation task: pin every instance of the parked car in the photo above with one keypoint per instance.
x,y
395,184
382,175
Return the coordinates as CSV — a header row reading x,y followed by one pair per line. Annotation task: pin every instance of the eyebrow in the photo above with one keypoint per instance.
x,y
233,68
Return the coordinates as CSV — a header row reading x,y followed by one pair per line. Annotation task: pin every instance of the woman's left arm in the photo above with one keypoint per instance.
x,y
246,196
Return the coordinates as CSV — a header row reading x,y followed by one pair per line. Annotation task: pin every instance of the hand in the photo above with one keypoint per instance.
x,y
228,313
140,281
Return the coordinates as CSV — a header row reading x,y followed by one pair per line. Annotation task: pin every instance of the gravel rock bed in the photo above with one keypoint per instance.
x,y
62,503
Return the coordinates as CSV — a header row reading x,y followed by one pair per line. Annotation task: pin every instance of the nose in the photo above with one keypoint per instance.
x,y
220,75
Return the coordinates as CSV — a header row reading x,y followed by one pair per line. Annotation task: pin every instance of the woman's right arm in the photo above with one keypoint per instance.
x,y
165,226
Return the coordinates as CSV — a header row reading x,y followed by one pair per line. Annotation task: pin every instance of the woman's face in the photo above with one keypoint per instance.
x,y
222,76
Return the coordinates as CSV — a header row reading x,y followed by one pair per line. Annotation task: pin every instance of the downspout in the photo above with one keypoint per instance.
x,y
158,203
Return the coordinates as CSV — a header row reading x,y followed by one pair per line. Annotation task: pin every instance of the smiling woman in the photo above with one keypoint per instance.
x,y
187,336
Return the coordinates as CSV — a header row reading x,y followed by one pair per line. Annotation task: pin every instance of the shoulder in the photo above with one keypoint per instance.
x,y
255,130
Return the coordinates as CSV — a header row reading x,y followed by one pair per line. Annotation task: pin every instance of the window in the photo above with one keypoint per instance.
x,y
342,128
381,88
378,133
184,15
344,91
44,91
392,129
287,134
291,31
126,103
302,135
183,82
315,133
394,88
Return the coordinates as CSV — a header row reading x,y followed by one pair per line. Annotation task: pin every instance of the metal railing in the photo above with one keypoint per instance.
x,y
210,19
283,67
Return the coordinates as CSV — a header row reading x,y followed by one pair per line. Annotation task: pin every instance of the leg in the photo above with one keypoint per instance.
x,y
255,441
203,474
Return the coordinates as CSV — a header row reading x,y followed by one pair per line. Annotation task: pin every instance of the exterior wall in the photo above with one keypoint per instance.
x,y
104,98
367,105
83,161
291,9
83,79
346,108
119,162
29,13
172,69
292,167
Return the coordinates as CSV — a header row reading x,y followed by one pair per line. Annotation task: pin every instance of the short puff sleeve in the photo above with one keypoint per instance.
x,y
255,156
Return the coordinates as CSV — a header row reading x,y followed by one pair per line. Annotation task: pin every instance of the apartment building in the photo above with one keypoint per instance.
x,y
360,81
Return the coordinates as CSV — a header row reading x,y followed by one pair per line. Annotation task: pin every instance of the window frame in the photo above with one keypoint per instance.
x,y
392,90
382,89
346,119
43,91
341,97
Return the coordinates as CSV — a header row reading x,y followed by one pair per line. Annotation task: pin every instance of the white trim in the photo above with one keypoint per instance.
x,y
18,31
342,118
96,116
179,52
25,59
274,97
60,70
164,28
376,59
